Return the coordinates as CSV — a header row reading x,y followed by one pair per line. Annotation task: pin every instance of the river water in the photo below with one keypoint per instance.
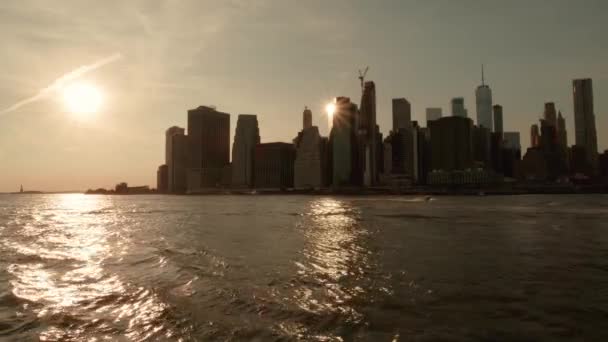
x,y
266,268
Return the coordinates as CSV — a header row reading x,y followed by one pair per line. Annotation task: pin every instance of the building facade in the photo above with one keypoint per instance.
x,y
402,114
584,118
483,97
451,143
209,148
176,159
433,114
498,124
246,137
274,166
458,108
162,179
367,134
344,144
310,163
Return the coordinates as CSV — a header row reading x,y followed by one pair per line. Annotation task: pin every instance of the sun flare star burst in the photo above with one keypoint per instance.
x,y
82,98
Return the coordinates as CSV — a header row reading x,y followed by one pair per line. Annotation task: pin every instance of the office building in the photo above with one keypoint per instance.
x,y
483,97
176,159
498,127
482,146
511,140
451,143
344,144
162,179
209,148
584,118
458,108
562,133
550,114
433,114
274,165
402,114
367,134
246,137
534,136
311,157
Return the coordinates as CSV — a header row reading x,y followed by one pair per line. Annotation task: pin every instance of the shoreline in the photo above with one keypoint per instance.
x,y
529,190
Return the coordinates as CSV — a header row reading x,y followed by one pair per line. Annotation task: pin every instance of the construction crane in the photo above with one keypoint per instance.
x,y
362,74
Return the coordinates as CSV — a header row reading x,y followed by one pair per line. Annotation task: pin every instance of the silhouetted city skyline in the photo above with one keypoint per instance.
x,y
140,67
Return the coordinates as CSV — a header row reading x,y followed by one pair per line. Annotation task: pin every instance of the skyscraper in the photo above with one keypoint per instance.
x,y
433,114
458,108
451,141
209,147
498,128
162,179
550,114
512,140
562,133
306,118
584,118
176,159
534,136
368,134
274,165
246,137
311,155
483,96
402,114
344,143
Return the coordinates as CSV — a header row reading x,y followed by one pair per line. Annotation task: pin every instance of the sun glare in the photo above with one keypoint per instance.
x,y
330,109
82,98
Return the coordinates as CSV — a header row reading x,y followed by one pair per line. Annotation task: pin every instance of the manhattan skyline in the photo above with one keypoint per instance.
x,y
427,53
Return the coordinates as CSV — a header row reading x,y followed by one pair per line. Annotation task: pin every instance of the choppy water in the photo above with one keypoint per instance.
x,y
263,268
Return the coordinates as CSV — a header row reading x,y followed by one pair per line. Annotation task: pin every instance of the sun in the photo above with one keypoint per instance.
x,y
330,109
82,98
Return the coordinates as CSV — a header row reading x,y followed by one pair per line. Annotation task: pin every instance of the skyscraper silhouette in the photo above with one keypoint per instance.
x,y
433,114
550,114
209,147
246,137
344,144
483,96
562,133
534,136
176,159
306,118
584,118
368,133
402,114
458,108
498,125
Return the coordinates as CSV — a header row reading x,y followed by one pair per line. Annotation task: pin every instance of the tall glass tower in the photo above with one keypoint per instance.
x,y
483,95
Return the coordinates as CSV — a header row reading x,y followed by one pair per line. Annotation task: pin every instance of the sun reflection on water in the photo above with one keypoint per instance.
x,y
333,274
62,276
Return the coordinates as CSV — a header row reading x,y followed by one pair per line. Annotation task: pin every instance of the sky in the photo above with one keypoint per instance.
x,y
155,59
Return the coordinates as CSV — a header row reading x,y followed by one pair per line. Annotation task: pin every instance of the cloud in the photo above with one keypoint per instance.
x,y
61,81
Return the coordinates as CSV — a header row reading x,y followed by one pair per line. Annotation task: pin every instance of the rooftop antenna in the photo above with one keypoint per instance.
x,y
483,81
362,74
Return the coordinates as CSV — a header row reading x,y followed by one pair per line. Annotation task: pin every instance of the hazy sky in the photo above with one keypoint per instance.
x,y
271,58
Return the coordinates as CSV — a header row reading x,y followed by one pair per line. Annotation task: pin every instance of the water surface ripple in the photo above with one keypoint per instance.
x,y
282,268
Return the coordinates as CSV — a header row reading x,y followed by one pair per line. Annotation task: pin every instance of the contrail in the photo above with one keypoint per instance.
x,y
61,81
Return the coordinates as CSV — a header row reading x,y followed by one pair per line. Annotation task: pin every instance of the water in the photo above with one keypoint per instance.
x,y
264,268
